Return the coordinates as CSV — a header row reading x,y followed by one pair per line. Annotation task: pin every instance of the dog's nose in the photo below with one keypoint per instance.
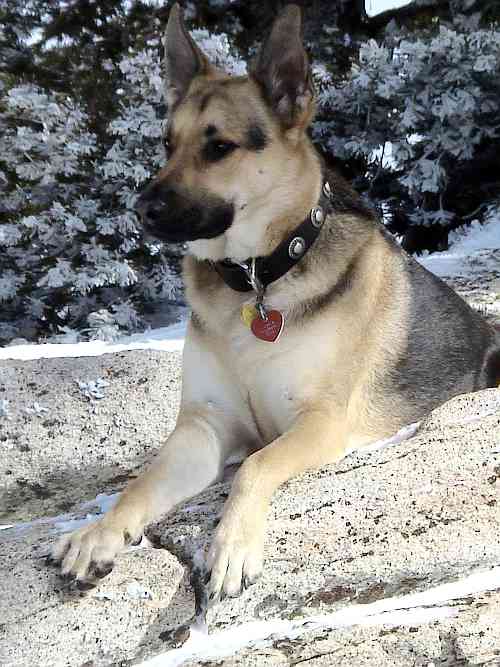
x,y
150,207
150,212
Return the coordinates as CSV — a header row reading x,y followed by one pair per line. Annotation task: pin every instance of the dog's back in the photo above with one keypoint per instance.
x,y
450,349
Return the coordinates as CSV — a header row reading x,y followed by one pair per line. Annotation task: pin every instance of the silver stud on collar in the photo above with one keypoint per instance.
x,y
297,247
317,216
327,190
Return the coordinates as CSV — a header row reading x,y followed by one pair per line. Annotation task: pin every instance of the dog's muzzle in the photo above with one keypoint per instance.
x,y
176,216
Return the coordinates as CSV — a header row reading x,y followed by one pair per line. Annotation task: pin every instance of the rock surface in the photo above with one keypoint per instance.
x,y
349,547
481,290
60,447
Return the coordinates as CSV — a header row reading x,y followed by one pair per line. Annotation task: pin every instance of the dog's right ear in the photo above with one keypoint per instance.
x,y
184,60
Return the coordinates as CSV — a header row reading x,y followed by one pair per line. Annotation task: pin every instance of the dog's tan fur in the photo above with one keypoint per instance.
x,y
259,185
283,407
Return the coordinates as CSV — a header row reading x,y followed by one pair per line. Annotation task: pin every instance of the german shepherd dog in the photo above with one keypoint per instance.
x,y
311,330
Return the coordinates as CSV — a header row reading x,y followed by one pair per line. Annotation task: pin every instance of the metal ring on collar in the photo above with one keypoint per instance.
x,y
297,247
317,216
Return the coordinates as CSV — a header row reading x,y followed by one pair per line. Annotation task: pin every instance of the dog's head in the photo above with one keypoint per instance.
x,y
239,155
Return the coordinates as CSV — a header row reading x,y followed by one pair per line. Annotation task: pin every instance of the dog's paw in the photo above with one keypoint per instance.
x,y
89,553
235,558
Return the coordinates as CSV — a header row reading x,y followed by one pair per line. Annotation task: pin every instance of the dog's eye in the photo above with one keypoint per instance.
x,y
167,145
216,150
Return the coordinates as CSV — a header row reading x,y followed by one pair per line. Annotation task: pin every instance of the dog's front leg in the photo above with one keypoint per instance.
x,y
236,556
192,459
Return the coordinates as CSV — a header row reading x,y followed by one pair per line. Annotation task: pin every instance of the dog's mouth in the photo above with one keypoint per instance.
x,y
174,218
192,224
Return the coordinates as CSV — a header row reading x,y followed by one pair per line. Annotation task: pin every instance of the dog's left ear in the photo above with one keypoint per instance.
x,y
282,70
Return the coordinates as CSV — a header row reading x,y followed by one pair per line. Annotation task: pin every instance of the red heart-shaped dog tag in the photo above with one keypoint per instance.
x,y
270,329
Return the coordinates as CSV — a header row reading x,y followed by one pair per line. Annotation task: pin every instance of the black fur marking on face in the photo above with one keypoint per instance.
x,y
256,139
205,100
194,223
168,143
210,131
215,150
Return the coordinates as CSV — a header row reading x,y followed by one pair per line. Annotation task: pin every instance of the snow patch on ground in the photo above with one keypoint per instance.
x,y
65,523
411,609
403,434
374,7
165,339
471,250
103,501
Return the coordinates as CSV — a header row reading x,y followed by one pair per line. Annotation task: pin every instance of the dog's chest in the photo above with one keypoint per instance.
x,y
274,398
279,379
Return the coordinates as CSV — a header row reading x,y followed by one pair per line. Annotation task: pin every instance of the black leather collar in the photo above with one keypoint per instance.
x,y
290,251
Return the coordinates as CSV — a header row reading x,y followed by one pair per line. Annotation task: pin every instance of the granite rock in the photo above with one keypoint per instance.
x,y
390,557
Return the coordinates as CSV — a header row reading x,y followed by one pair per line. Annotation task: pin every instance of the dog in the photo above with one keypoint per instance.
x,y
312,331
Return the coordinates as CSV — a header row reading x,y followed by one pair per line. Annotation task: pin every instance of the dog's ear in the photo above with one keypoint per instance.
x,y
183,59
282,70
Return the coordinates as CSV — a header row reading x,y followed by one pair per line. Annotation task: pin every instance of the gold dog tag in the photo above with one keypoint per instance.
x,y
248,314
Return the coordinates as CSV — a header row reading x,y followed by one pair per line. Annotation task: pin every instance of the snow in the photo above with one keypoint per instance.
x,y
165,339
403,434
69,525
93,388
374,7
4,408
470,251
103,501
412,609
138,592
65,523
